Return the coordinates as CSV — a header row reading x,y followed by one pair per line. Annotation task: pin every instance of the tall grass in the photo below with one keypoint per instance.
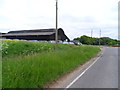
x,y
16,47
0,65
36,70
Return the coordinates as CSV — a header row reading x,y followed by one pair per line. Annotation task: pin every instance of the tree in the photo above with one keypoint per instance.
x,y
112,43
95,41
77,38
105,40
85,40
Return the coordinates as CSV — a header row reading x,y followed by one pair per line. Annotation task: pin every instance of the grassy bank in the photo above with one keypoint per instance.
x,y
16,47
37,69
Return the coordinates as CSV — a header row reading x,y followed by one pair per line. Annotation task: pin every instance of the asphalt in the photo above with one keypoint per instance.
x,y
103,73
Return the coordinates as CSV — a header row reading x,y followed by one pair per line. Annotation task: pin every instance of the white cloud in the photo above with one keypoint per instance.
x,y
76,17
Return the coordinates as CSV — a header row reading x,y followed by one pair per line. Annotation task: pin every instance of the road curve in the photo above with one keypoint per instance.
x,y
102,74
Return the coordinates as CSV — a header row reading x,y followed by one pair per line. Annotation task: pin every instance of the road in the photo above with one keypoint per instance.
x,y
102,74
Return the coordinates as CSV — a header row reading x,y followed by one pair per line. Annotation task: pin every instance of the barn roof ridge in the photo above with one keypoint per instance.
x,y
35,30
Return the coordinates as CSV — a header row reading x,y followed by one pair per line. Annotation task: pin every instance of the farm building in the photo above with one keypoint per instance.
x,y
37,34
1,35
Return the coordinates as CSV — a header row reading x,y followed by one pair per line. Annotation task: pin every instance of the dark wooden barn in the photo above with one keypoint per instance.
x,y
37,34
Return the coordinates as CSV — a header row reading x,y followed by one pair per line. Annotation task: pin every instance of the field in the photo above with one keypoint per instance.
x,y
28,64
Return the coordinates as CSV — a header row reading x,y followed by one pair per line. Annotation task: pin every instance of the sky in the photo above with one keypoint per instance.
x,y
75,17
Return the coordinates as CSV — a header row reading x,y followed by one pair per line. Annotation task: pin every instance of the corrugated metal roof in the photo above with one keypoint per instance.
x,y
26,34
41,33
33,31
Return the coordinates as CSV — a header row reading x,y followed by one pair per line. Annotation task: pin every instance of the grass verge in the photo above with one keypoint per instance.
x,y
0,66
36,70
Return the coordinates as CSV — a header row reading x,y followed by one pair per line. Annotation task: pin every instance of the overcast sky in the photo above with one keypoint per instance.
x,y
76,17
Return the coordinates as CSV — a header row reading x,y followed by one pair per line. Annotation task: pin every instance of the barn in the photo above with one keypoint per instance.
x,y
36,34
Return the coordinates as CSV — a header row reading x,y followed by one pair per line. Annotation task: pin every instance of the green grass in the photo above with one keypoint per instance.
x,y
36,70
0,71
0,66
15,47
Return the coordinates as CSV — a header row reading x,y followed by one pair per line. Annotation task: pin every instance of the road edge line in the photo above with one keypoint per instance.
x,y
84,71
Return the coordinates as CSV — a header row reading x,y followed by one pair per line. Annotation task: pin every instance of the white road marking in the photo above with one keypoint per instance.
x,y
83,73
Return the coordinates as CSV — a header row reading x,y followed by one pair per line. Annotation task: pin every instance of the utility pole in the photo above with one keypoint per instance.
x,y
56,32
91,37
99,37
91,33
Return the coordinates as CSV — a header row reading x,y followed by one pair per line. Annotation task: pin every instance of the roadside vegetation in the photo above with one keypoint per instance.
x,y
29,64
16,47
95,41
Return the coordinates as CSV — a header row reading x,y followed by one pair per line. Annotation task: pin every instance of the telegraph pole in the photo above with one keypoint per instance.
x,y
91,36
91,33
56,32
99,37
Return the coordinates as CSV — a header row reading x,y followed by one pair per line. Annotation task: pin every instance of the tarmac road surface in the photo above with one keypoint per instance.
x,y
102,74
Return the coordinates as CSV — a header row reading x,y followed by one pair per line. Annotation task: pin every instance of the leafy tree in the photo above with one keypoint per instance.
x,y
95,41
105,40
85,40
77,38
112,43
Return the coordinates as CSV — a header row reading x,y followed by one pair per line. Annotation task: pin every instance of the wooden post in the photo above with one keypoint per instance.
x,y
99,37
56,33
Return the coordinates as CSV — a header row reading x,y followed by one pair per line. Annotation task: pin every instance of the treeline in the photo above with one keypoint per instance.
x,y
97,41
